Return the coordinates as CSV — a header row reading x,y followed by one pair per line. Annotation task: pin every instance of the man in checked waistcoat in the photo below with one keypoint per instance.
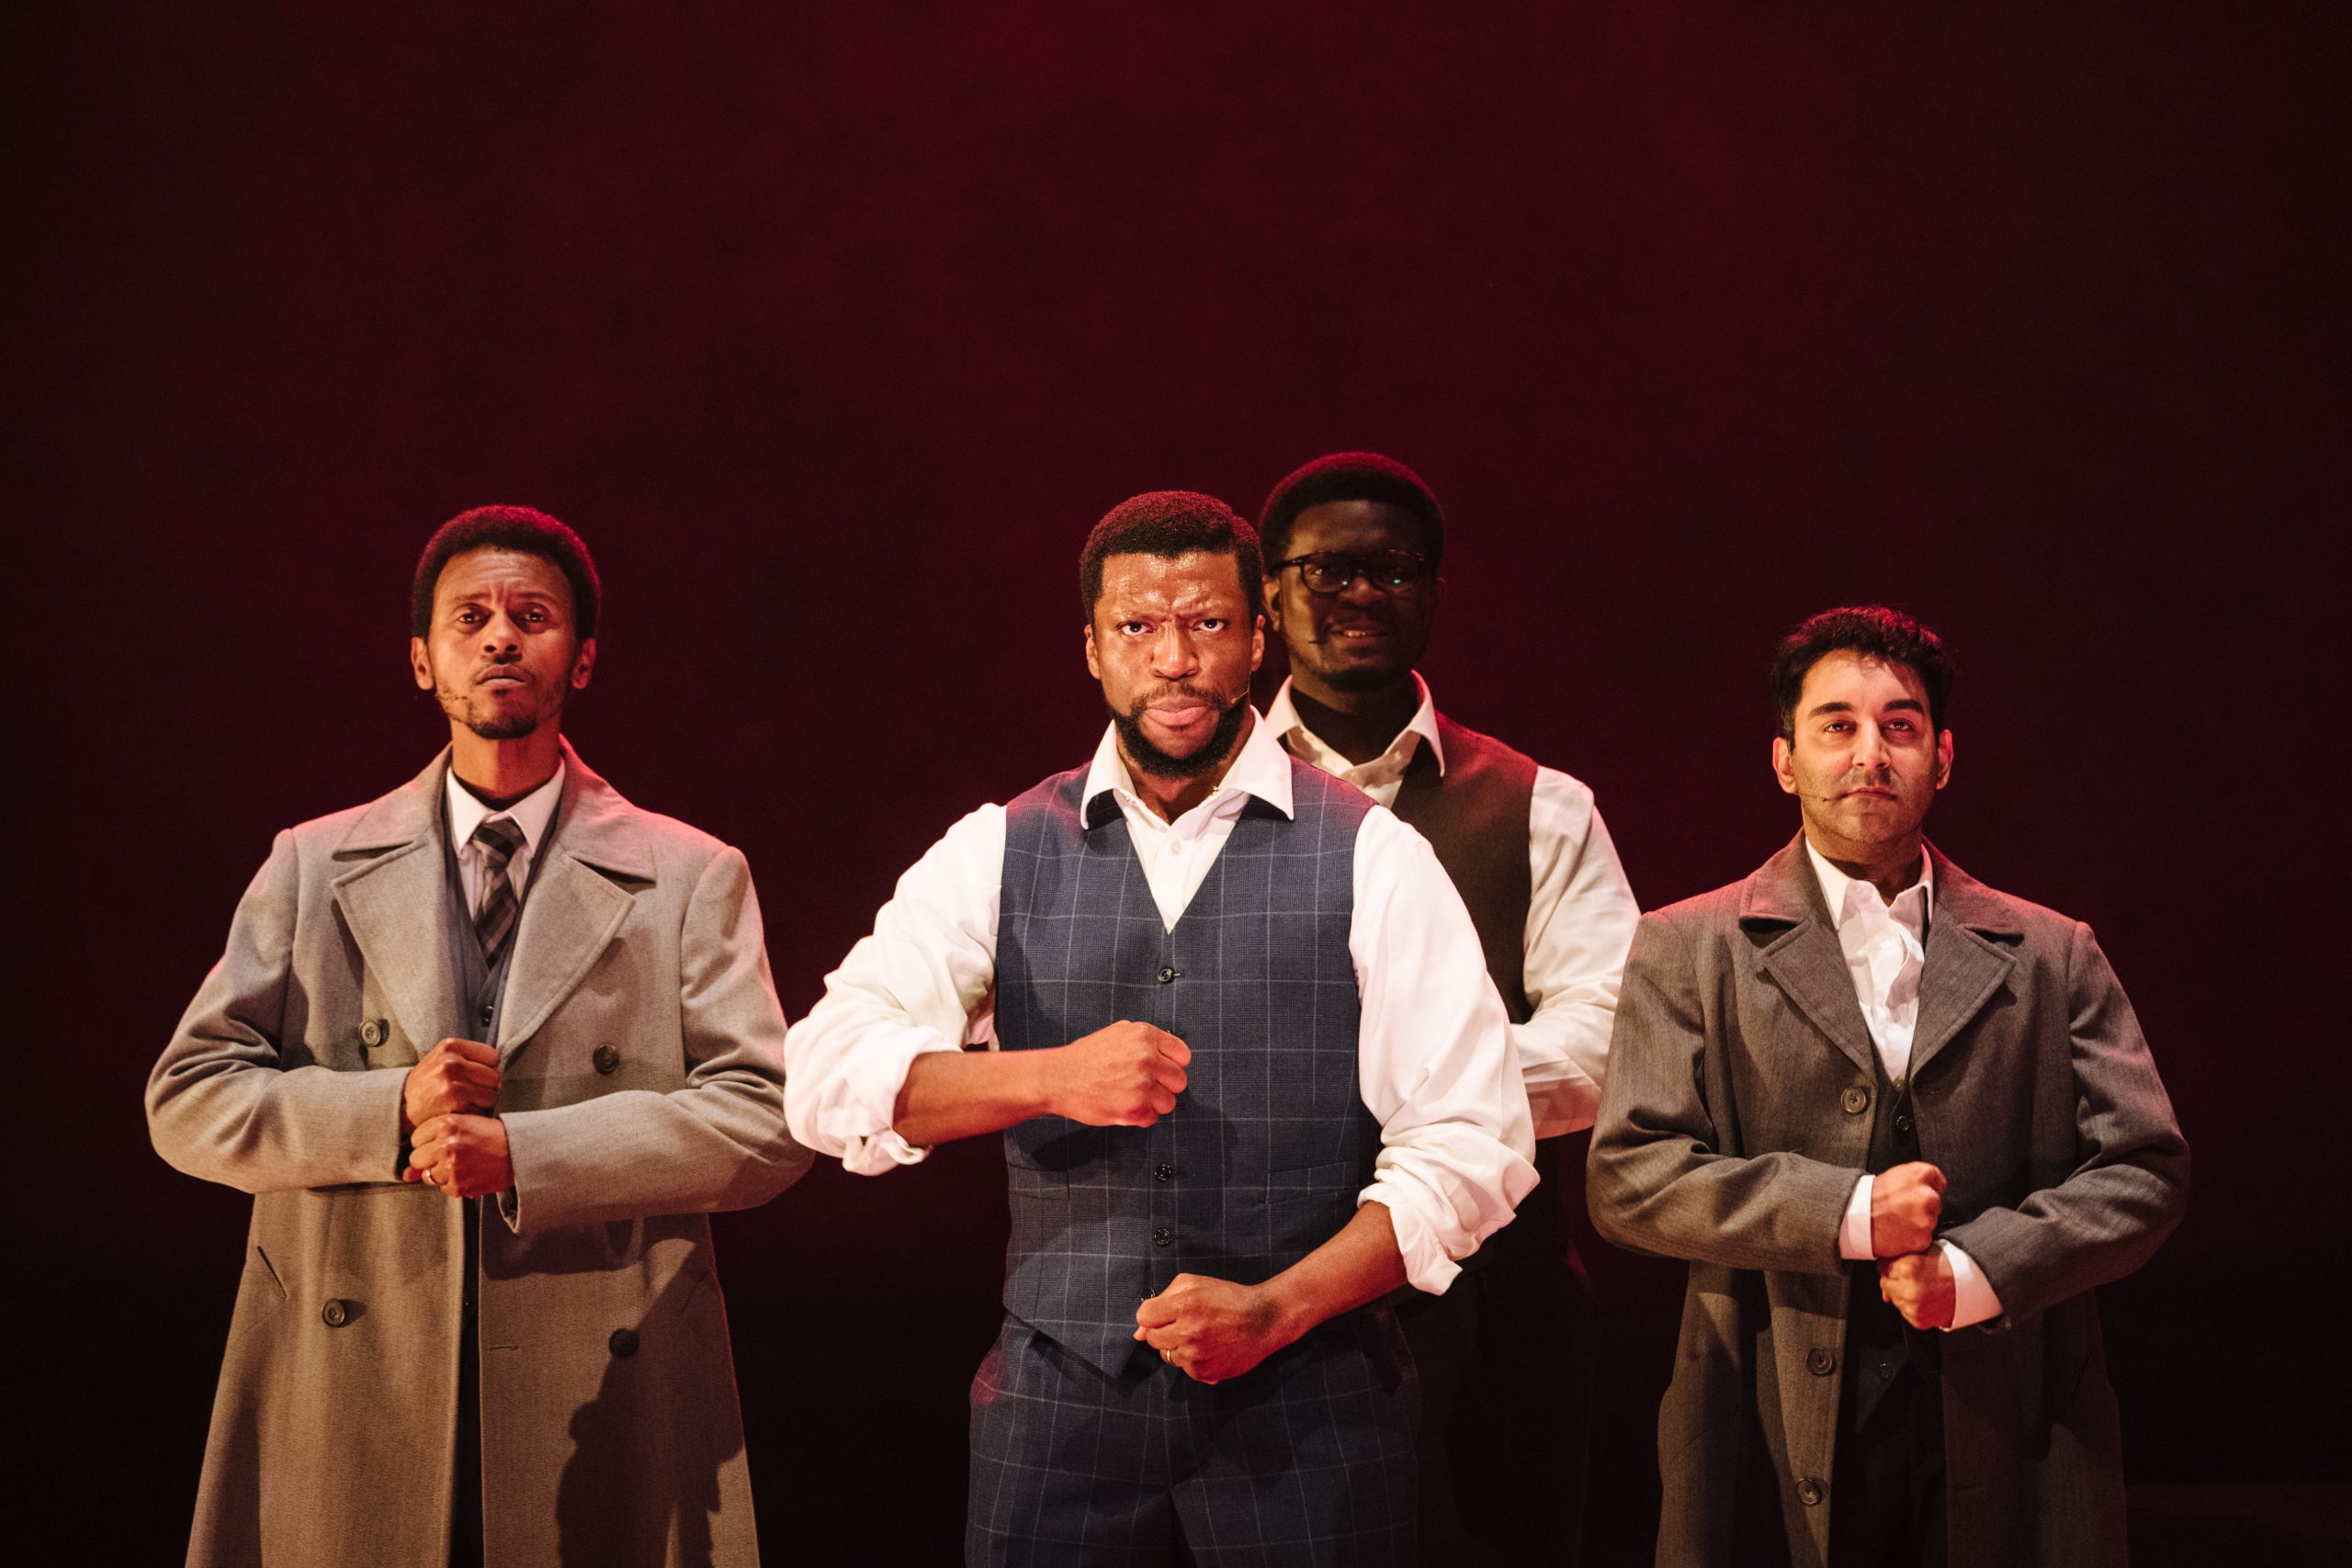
x,y
1252,1077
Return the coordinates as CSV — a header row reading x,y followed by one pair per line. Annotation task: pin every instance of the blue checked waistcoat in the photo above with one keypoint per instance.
x,y
1261,1159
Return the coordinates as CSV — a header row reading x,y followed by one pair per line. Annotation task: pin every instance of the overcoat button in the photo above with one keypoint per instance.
x,y
1161,1236
607,1060
335,1313
1163,1172
623,1342
1168,976
371,1033
1821,1362
1856,1099
1810,1490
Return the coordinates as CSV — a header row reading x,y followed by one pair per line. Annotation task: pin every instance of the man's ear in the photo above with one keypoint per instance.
x,y
1943,757
583,664
1093,665
1272,601
1784,764
419,665
1257,645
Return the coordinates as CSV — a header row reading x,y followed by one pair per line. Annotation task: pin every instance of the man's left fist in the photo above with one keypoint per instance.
x,y
1920,1285
1212,1329
463,1156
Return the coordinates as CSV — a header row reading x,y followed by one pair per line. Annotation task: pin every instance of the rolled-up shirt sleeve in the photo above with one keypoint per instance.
x,y
1435,1057
913,985
1580,919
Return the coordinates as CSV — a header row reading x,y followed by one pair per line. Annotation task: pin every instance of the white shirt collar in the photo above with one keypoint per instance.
x,y
1840,891
1261,768
531,814
1282,717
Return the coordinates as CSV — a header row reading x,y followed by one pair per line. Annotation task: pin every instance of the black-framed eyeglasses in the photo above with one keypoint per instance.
x,y
1391,571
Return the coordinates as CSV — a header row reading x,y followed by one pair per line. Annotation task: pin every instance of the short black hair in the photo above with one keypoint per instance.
x,y
1169,522
1873,629
516,528
1351,476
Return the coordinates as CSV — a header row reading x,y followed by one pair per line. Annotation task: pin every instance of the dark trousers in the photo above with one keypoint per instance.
x,y
1306,1460
1505,1358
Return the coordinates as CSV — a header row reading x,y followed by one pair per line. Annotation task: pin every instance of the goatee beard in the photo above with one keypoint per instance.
x,y
1151,759
512,727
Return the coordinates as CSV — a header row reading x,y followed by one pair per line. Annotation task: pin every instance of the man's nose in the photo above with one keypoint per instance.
x,y
1172,656
500,634
1870,747
1360,591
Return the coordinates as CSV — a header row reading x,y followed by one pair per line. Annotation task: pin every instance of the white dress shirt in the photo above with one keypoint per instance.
x,y
1886,952
1581,913
530,816
1434,1063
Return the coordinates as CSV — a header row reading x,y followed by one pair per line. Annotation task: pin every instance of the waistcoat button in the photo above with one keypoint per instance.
x,y
486,1015
335,1313
1168,976
623,1342
1856,1099
1161,1236
607,1060
1163,1172
1903,1121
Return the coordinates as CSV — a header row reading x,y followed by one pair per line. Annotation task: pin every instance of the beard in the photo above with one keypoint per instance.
x,y
489,718
1160,764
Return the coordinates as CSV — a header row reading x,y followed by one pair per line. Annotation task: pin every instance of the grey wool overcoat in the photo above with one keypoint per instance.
x,y
1731,1133
641,1047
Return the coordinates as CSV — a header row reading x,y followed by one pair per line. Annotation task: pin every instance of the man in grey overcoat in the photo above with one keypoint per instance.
x,y
1901,1124
485,1051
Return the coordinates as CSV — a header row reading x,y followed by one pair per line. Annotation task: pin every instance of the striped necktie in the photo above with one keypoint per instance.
x,y
497,838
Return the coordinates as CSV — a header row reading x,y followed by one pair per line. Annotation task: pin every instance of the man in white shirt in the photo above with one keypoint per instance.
x,y
1354,542
1252,1078
486,1051
1901,1124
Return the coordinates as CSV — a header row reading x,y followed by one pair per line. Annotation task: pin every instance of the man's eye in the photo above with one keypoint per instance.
x,y
1215,624
534,613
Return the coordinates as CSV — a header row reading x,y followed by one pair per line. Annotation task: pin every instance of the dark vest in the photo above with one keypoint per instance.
x,y
1879,1346
1475,815
1261,1159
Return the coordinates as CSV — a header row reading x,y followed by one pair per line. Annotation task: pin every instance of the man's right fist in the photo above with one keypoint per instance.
x,y
455,1075
1905,1203
1126,1075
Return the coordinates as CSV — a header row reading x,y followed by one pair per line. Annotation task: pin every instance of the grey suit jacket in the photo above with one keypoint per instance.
x,y
641,1046
1728,1136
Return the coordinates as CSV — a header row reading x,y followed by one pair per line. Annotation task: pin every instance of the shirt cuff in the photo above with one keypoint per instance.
x,y
1854,1234
1972,1298
861,1122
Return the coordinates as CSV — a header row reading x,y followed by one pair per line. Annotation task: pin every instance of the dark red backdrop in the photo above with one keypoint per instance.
x,y
832,331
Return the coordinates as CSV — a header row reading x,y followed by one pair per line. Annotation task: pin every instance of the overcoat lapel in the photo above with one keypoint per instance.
x,y
572,906
1805,961
398,842
1970,931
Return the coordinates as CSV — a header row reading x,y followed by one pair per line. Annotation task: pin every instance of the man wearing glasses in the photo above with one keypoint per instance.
x,y
1352,543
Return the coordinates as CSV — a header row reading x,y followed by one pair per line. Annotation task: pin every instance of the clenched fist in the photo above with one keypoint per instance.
x,y
1905,1203
1126,1075
1921,1287
455,1076
463,1156
1212,1329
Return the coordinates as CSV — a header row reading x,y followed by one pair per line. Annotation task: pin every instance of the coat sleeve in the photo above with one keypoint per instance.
x,y
2130,1184
1657,1178
721,1142
225,1103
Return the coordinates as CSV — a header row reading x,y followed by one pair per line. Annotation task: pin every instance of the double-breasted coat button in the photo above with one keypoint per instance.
x,y
607,1060
371,1033
1162,1236
1821,1361
1163,1172
1856,1099
623,1342
335,1313
1169,977
1810,1490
